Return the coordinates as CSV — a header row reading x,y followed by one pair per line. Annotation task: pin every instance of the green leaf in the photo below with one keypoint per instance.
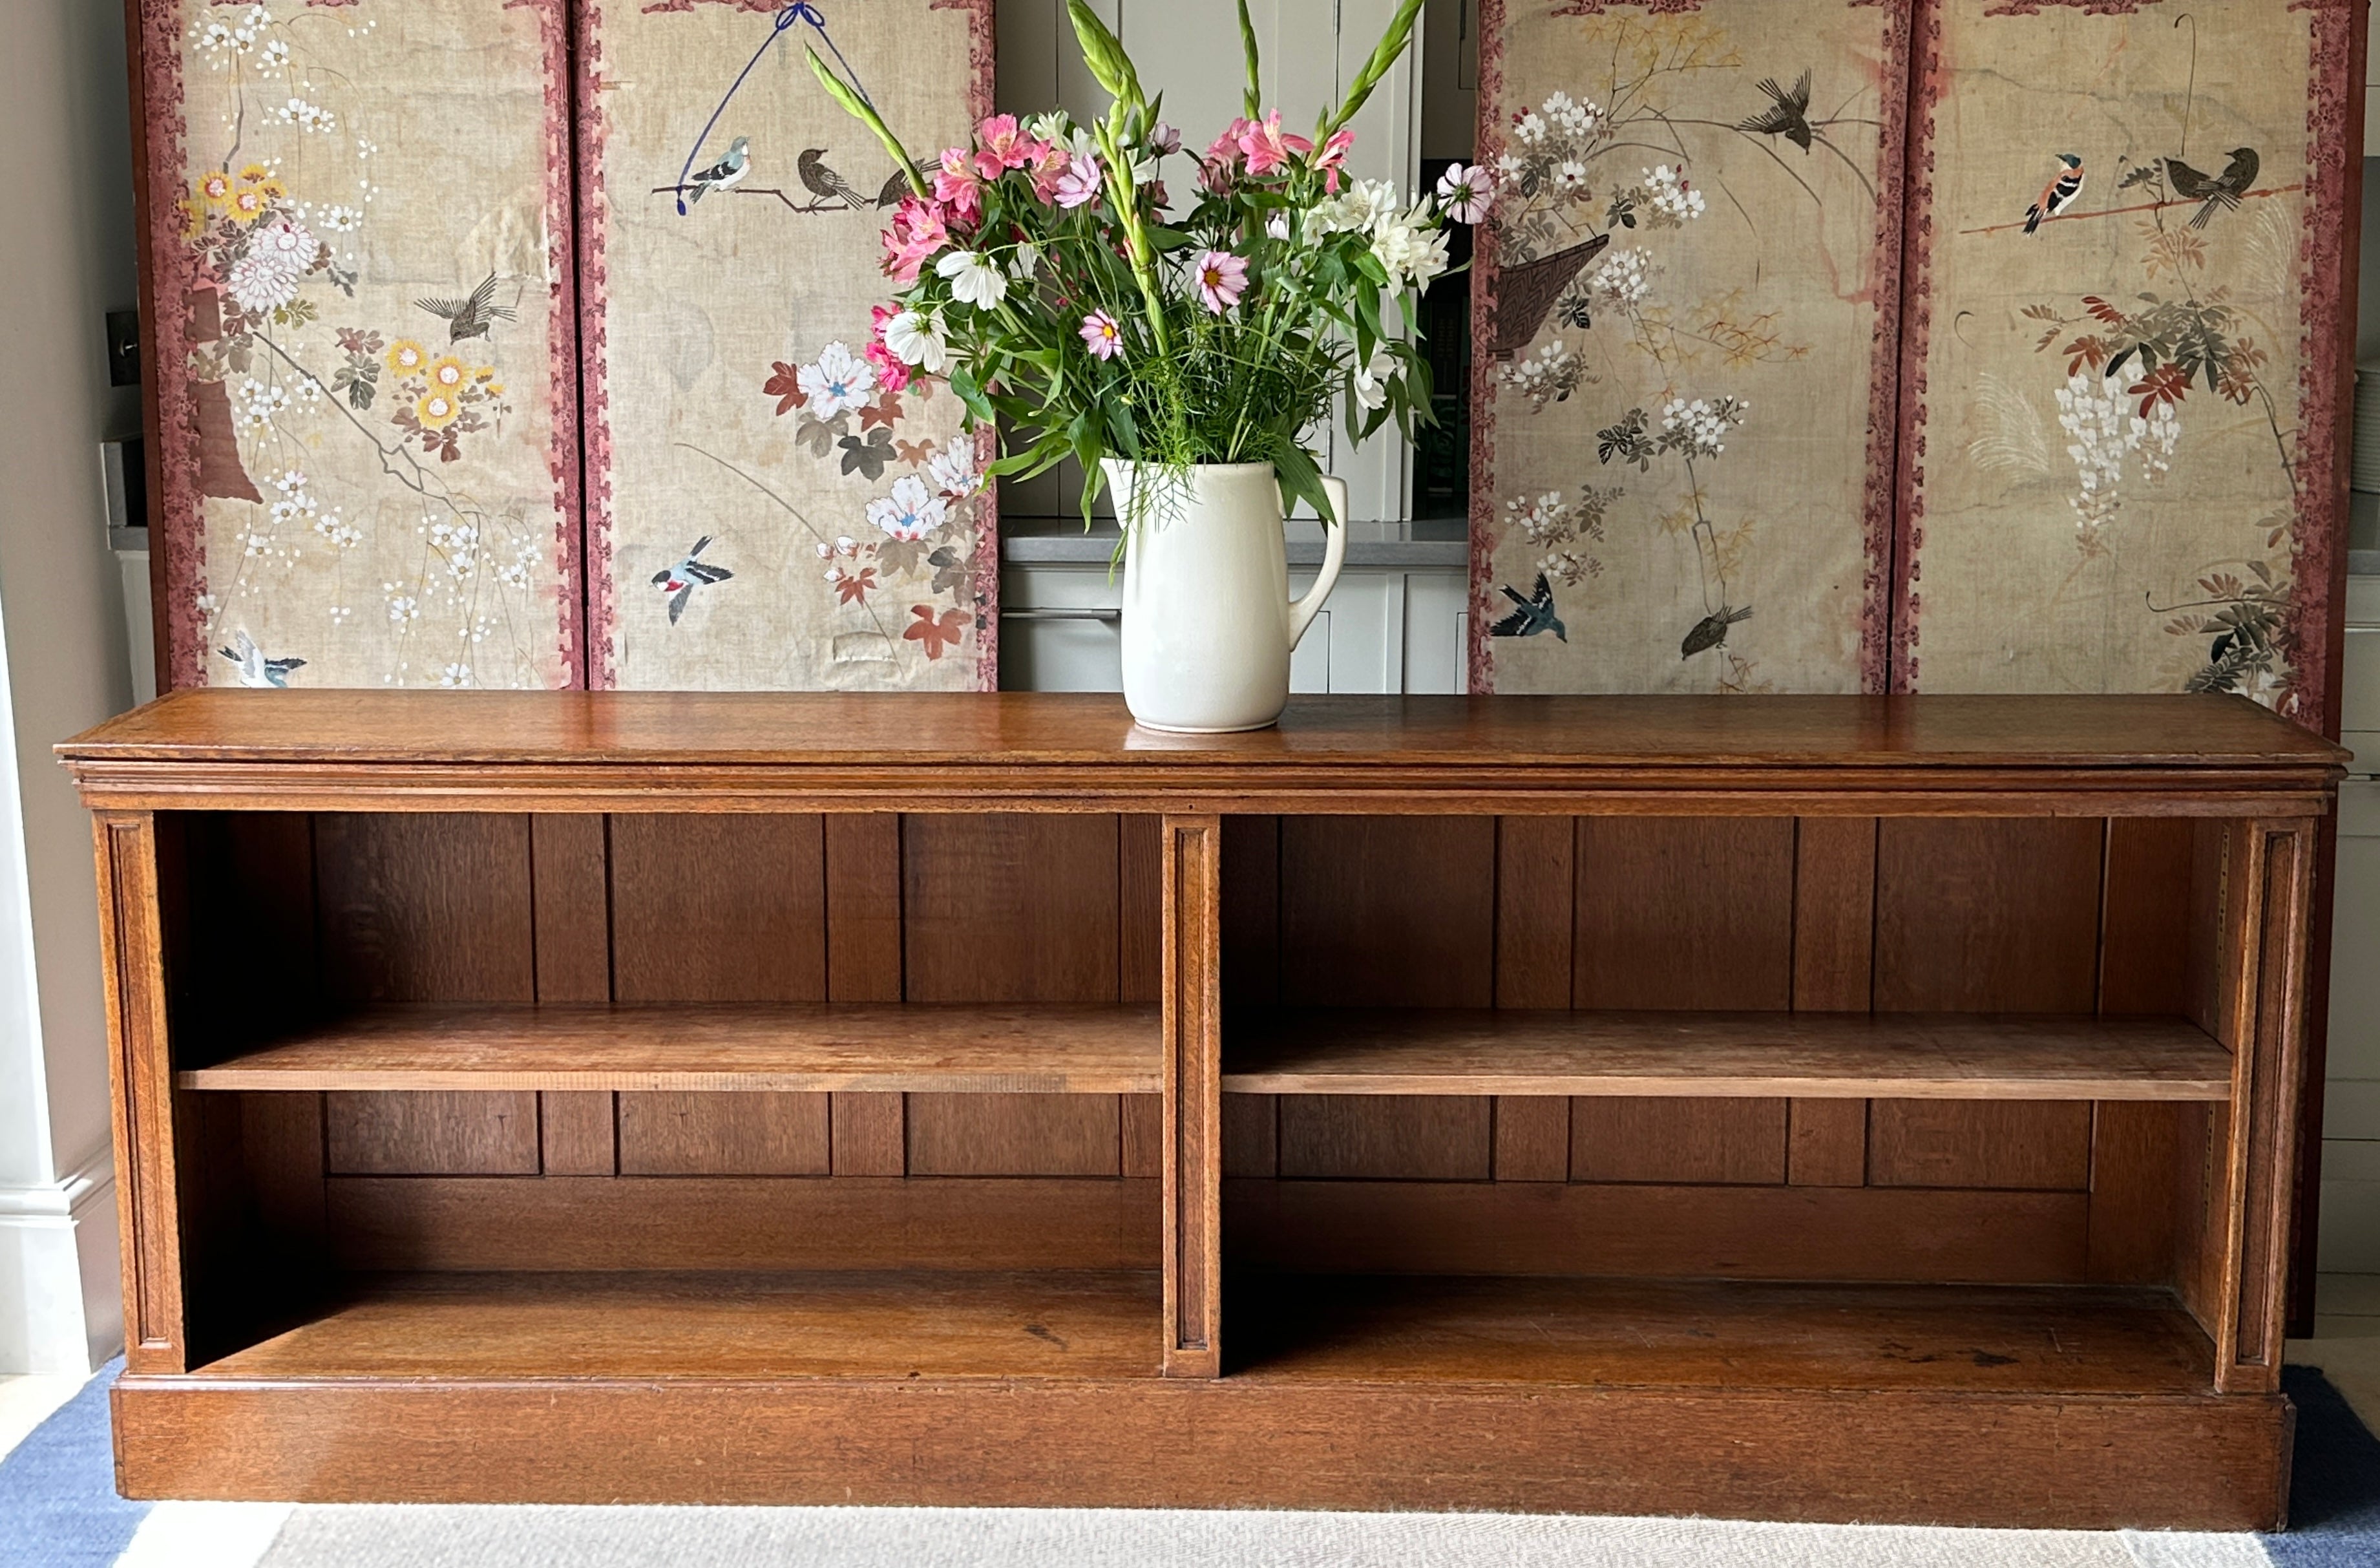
x,y
1384,54
964,386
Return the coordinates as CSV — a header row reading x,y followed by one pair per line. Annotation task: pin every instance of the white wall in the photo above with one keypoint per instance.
x,y
66,252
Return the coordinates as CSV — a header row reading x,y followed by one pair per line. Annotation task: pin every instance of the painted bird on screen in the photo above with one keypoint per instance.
x,y
2223,190
254,668
680,581
2058,194
1788,113
723,174
1711,631
1536,614
472,315
825,184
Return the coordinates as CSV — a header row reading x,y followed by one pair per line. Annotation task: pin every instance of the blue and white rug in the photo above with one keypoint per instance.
x,y
59,1509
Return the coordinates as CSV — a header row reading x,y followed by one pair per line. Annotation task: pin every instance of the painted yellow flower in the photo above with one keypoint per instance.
x,y
214,188
407,357
194,217
254,173
436,410
249,203
449,374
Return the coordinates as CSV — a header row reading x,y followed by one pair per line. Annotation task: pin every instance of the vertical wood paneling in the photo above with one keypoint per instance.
x,y
140,1073
1834,953
1985,915
1251,944
1975,1143
280,1142
432,907
720,908
717,908
1533,1137
1142,1134
421,1133
246,950
1664,1139
1011,909
1394,912
869,1132
666,1132
1140,960
1403,1136
571,887
2138,1160
576,1135
1827,1143
2146,926
428,908
1685,912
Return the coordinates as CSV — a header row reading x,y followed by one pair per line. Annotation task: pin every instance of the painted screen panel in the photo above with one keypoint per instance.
x,y
1686,316
764,510
359,281
2120,462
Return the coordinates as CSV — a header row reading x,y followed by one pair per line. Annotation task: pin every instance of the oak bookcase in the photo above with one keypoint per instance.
x,y
1803,1108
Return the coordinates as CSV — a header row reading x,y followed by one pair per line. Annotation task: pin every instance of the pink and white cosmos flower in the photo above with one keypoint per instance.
x,y
1221,278
1100,334
1466,192
1080,183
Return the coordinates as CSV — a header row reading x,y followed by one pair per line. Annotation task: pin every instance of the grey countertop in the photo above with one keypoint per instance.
x,y
1048,541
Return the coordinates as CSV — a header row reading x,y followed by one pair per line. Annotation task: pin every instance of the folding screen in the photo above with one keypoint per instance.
x,y
358,276
2121,465
765,507
1685,313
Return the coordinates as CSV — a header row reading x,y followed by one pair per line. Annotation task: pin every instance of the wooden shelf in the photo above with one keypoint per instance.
x,y
1810,1055
903,1324
1716,1334
802,1046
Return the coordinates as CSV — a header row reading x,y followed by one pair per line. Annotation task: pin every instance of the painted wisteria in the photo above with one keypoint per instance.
x,y
1099,292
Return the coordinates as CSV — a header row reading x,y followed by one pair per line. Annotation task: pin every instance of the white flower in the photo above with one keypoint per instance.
x,y
1511,166
287,240
953,469
1529,127
1701,427
1361,205
837,384
260,283
1277,226
1624,277
916,339
1542,519
1570,117
911,512
1027,257
1412,248
455,676
273,57
1051,126
1671,194
1571,176
342,219
307,117
1465,191
974,280
1370,382
1550,375
260,403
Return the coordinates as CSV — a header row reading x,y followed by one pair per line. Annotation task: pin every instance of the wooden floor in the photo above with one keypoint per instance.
x,y
465,1327
1715,1334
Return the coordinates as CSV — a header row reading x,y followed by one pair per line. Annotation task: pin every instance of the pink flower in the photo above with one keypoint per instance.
x,y
1222,278
918,231
1100,334
1048,170
1002,146
1466,192
1215,177
1334,158
1080,184
1225,149
1267,148
889,368
956,187
1165,139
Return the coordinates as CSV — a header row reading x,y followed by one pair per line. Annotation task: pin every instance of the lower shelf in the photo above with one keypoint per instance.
x,y
1714,1334
720,1326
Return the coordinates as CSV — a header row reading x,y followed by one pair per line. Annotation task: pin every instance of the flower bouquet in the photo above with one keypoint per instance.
x,y
1176,342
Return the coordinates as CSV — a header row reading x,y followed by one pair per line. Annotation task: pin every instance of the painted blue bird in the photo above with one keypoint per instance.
x,y
255,669
1536,614
680,581
728,172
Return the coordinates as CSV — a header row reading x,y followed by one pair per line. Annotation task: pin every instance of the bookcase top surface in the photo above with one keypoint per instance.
x,y
1047,751
1090,729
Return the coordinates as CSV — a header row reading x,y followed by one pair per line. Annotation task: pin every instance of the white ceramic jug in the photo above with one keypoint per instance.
x,y
1208,621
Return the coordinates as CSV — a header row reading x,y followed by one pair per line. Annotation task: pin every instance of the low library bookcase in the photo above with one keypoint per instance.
x,y
1798,1108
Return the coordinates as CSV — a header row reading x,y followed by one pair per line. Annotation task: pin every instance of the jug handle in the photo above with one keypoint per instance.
x,y
1334,555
